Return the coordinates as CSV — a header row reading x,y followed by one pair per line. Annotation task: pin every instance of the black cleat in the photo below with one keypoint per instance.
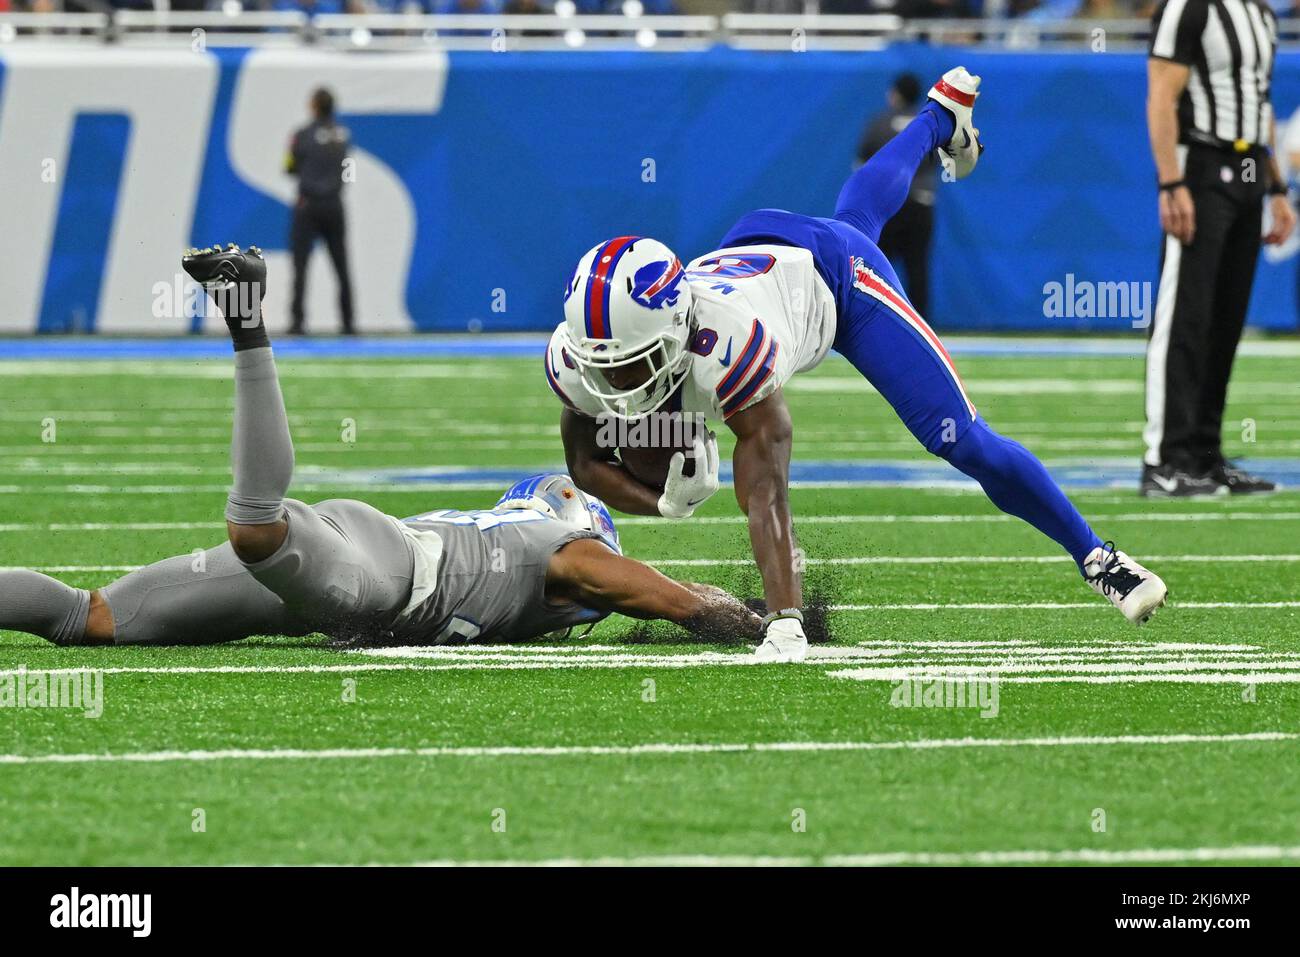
x,y
236,281
218,268
1238,481
1166,481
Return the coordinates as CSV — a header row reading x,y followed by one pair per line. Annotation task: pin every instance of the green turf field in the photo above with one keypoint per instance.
x,y
1179,742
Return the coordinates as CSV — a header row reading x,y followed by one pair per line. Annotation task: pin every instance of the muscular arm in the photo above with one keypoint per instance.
x,y
589,574
598,472
761,466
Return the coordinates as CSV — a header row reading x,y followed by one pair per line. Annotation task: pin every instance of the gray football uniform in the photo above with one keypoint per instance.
x,y
350,571
484,576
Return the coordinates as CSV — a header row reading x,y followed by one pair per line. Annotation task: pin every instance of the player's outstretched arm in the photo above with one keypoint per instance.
x,y
597,471
761,470
587,573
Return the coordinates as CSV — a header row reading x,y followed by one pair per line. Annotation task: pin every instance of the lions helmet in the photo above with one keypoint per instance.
x,y
628,326
554,495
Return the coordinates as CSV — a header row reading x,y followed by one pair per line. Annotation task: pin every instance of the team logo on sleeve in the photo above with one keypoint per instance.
x,y
657,285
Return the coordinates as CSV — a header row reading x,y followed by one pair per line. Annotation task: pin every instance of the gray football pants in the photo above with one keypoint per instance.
x,y
345,569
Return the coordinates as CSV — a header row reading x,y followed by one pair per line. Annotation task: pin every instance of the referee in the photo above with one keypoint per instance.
x,y
1211,127
317,153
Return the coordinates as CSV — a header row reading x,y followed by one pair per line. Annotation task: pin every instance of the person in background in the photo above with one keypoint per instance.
x,y
317,153
1212,138
906,237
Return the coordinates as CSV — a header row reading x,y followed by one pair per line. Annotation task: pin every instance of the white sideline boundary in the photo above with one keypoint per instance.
x,y
1144,855
637,750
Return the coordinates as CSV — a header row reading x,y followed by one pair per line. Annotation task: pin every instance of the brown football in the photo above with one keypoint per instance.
x,y
649,465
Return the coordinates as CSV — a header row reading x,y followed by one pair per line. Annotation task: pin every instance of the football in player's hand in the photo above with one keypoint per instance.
x,y
649,465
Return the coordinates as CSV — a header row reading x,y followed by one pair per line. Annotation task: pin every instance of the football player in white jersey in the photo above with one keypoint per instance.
x,y
719,338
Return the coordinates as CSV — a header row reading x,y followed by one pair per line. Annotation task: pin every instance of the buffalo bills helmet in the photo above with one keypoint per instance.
x,y
627,324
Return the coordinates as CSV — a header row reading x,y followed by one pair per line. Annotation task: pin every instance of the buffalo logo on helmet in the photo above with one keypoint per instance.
x,y
658,284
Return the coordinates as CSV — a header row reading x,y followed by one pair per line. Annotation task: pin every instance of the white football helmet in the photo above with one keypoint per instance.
x,y
627,310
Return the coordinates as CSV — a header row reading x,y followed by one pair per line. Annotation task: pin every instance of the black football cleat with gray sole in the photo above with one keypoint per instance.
x,y
1238,481
1166,481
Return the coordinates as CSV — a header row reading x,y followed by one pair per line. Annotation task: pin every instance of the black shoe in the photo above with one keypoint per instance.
x,y
217,268
1166,481
1238,481
236,281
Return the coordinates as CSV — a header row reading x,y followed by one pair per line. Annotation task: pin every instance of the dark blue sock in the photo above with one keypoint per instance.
x,y
1016,482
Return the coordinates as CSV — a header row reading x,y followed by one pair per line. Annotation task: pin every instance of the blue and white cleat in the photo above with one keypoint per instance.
x,y
1134,590
956,92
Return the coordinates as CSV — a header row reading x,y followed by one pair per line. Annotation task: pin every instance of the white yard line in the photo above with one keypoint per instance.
x,y
1169,677
966,560
637,750
718,520
958,485
1050,606
939,669
1028,386
852,560
366,488
970,519
1144,855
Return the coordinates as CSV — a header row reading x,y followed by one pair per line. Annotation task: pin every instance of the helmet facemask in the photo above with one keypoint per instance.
x,y
665,358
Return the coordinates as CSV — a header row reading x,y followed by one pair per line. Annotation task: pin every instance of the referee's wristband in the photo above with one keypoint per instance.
x,y
1172,185
1277,189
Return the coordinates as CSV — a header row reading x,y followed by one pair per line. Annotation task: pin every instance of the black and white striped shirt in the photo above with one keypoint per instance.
x,y
1230,47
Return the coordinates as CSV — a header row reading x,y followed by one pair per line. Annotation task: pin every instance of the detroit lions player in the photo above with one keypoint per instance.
x,y
546,558
721,337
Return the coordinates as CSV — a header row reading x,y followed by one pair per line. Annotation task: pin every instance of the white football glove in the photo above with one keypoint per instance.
x,y
783,640
684,493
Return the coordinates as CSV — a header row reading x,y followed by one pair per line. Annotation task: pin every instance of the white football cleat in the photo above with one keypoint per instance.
x,y
1134,590
956,92
783,641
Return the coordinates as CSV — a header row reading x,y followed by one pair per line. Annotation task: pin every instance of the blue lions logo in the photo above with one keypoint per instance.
x,y
657,285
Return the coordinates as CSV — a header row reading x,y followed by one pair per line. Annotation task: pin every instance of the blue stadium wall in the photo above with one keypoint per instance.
x,y
482,196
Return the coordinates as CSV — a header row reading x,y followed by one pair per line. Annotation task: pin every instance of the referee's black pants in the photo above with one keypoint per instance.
x,y
1201,308
319,218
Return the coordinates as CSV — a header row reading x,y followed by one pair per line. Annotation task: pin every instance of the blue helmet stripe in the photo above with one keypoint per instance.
x,y
598,325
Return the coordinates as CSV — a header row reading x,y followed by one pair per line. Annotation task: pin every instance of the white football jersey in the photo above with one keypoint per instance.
x,y
762,314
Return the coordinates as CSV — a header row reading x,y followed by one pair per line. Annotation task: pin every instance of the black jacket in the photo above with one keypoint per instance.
x,y
316,155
